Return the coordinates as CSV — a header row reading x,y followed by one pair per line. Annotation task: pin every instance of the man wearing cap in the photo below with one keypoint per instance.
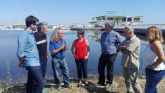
x,y
109,43
130,60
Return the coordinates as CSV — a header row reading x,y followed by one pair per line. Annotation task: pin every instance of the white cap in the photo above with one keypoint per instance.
x,y
130,28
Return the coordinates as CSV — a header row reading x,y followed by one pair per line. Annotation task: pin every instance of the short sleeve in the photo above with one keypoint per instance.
x,y
120,39
51,46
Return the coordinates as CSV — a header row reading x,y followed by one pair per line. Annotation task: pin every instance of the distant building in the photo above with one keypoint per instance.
x,y
1,27
118,20
19,26
50,27
64,27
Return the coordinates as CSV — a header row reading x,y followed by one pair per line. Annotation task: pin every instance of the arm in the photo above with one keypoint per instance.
x,y
123,48
58,50
131,47
120,39
88,49
21,62
53,50
158,49
21,48
72,48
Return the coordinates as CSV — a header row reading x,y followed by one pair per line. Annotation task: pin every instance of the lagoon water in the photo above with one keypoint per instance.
x,y
9,62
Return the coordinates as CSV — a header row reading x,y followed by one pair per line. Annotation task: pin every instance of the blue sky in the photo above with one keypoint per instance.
x,y
79,11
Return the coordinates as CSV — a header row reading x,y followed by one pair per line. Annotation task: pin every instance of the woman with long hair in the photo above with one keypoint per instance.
x,y
153,59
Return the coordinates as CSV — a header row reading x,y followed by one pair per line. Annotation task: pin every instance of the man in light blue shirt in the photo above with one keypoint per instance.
x,y
27,49
29,58
109,43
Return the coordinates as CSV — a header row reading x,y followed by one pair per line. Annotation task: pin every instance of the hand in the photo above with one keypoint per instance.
x,y
66,47
126,69
119,48
21,65
63,47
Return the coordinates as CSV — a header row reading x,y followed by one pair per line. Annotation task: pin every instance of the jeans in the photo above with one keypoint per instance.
x,y
81,68
57,65
152,79
106,60
43,64
131,80
35,82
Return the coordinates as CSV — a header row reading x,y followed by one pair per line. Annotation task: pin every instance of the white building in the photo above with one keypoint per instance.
x,y
118,20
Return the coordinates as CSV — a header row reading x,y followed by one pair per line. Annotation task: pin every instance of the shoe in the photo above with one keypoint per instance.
x,y
58,87
80,84
109,82
107,86
129,92
100,84
86,82
68,86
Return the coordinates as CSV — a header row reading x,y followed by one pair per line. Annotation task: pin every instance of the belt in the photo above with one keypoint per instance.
x,y
106,54
59,58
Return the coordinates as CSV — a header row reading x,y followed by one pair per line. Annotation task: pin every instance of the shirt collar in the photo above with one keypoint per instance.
x,y
108,32
133,37
30,32
59,41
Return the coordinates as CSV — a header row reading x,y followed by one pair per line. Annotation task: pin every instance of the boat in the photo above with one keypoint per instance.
x,y
121,21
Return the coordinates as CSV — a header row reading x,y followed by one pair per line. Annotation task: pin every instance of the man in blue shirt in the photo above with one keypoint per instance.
x,y
29,58
109,42
57,48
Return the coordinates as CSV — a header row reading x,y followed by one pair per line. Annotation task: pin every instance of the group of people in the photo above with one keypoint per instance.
x,y
32,54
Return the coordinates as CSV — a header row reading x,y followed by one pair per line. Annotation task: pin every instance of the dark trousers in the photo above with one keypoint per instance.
x,y
43,64
106,60
35,82
152,79
81,68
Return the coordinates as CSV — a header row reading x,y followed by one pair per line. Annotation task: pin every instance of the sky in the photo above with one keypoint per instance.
x,y
79,11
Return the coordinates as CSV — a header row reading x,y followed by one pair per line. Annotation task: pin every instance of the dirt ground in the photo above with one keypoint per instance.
x,y
118,86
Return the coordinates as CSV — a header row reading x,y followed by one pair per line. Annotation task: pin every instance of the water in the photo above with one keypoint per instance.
x,y
9,62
